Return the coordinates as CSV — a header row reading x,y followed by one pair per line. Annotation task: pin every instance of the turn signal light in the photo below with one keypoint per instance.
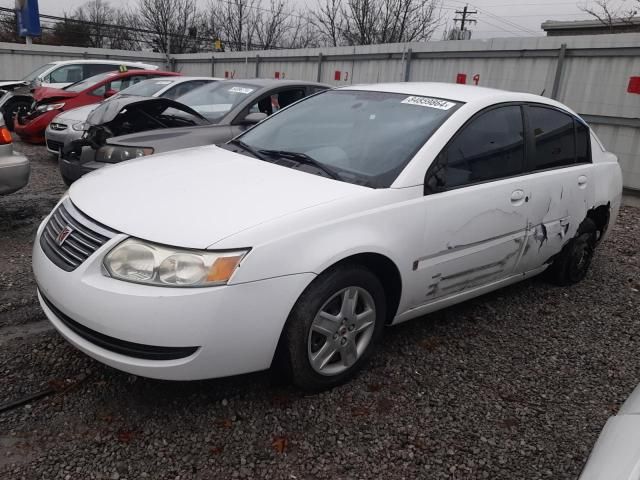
x,y
223,268
5,136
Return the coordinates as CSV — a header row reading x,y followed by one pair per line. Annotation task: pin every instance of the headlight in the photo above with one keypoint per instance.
x,y
79,127
143,262
47,107
116,154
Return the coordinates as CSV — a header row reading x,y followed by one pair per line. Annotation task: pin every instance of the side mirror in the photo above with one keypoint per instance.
x,y
253,118
110,93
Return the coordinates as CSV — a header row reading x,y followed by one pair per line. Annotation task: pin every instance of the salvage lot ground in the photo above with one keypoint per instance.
x,y
516,384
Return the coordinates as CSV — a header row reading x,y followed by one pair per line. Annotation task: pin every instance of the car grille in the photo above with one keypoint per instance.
x,y
58,126
53,145
123,347
70,237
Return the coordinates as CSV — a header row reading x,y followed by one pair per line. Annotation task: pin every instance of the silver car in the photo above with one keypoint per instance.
x,y
14,168
70,125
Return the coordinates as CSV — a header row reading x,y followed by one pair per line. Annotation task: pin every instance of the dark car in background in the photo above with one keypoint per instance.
x,y
128,128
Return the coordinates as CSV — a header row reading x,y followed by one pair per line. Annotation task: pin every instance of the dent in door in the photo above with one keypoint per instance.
x,y
474,255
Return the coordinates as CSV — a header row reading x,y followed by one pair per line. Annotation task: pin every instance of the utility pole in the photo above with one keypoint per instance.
x,y
465,17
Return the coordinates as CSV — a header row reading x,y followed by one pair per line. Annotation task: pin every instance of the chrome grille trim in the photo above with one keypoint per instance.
x,y
85,238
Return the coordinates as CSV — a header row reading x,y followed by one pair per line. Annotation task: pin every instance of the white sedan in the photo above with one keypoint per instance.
x,y
296,243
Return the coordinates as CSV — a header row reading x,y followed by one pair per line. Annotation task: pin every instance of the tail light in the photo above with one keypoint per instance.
x,y
5,136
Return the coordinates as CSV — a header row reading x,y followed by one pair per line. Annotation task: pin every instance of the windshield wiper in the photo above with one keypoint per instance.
x,y
256,153
303,158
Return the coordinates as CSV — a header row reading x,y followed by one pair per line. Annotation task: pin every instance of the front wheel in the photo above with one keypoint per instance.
x,y
334,327
13,109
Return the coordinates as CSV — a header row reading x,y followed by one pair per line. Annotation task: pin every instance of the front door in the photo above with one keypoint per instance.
x,y
476,208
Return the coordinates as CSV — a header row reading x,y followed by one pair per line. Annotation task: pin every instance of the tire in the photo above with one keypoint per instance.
x,y
573,262
354,336
11,110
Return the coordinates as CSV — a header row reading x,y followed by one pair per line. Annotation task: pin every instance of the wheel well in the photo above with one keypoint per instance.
x,y
600,216
388,274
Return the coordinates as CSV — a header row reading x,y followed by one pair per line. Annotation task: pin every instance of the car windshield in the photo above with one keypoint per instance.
x,y
147,88
89,82
215,100
365,137
33,75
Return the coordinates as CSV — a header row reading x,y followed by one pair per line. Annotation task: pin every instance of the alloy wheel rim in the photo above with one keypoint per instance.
x,y
341,331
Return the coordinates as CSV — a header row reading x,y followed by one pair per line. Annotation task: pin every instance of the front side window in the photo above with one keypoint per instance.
x,y
554,136
366,137
490,147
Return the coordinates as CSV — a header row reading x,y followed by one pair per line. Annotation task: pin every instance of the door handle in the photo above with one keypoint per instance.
x,y
582,181
517,197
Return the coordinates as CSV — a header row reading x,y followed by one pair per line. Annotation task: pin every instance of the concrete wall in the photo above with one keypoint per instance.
x,y
588,73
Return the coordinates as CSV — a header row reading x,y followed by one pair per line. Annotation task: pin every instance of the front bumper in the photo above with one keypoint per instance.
x,y
32,130
14,173
57,139
235,328
72,169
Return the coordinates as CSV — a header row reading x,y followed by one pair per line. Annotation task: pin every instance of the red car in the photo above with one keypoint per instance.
x,y
49,102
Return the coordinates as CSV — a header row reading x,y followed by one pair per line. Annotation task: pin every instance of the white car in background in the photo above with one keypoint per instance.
x,y
298,241
14,167
70,125
616,454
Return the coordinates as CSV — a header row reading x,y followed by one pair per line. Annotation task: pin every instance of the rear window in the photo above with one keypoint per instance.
x,y
554,136
89,82
147,88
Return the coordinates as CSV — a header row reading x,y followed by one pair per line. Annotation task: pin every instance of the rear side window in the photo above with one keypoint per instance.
x,y
490,147
554,138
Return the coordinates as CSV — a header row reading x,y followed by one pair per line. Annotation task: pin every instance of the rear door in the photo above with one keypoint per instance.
x,y
560,180
475,207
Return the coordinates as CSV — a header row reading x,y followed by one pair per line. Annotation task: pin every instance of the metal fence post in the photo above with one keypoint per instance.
x,y
257,66
556,81
407,66
319,75
213,66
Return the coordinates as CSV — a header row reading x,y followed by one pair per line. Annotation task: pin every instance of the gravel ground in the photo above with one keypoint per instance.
x,y
513,385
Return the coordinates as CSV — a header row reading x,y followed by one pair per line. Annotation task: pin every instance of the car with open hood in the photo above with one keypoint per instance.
x,y
16,95
123,130
297,242
49,102
70,125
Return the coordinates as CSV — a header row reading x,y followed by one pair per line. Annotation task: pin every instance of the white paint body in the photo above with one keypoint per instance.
x,y
56,65
616,454
447,247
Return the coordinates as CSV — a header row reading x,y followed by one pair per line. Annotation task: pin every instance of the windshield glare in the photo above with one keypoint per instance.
x,y
89,82
33,75
367,137
215,100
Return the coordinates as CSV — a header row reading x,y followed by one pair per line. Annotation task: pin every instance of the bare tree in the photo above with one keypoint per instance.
x,y
365,22
99,14
303,33
174,23
234,21
608,13
272,24
329,20
123,35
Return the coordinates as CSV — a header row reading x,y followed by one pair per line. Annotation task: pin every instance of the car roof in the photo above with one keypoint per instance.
x,y
272,82
180,79
108,62
455,92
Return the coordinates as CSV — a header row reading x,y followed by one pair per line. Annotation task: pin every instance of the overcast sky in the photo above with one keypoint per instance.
x,y
496,18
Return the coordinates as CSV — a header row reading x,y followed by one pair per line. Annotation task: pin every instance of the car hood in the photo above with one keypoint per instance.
x,y
196,197
47,93
76,114
108,111
12,83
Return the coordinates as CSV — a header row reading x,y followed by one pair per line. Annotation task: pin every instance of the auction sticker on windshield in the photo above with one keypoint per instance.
x,y
244,90
429,102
